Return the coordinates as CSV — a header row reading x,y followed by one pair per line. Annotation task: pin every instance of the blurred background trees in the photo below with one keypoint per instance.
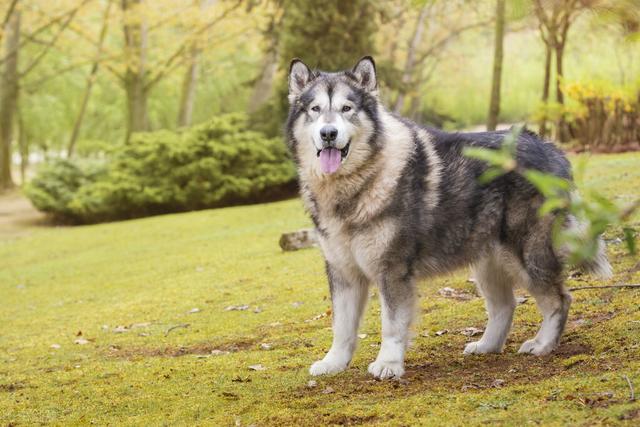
x,y
80,78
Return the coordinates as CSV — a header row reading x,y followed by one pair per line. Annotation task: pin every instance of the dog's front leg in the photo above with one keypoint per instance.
x,y
397,300
348,297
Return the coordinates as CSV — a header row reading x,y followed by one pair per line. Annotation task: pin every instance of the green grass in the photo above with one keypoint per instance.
x,y
59,285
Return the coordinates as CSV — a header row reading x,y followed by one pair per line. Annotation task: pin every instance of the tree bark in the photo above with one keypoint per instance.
x,y
264,84
545,89
9,98
190,81
494,105
90,80
188,95
23,144
135,77
411,53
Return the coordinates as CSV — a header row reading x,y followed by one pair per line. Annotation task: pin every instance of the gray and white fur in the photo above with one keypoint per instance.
x,y
393,202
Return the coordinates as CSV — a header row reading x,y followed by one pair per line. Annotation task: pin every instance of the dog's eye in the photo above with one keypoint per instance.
x,y
315,108
346,108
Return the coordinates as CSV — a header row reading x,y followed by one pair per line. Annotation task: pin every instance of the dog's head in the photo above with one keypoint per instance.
x,y
332,121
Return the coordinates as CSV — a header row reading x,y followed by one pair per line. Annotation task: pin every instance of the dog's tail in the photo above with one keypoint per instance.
x,y
598,264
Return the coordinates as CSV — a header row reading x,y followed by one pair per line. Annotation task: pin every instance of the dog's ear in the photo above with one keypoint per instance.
x,y
365,72
299,76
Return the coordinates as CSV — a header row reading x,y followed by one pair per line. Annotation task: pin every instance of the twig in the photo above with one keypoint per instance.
x,y
632,395
604,287
182,325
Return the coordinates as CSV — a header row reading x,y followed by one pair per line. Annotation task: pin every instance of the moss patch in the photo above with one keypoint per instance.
x,y
144,322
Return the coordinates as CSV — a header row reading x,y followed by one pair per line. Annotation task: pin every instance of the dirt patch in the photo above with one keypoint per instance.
x,y
349,420
17,215
463,373
178,351
10,388
631,414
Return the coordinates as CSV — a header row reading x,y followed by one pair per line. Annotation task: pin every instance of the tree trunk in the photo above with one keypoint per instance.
x,y
562,130
135,79
9,87
264,85
23,144
494,105
187,98
545,89
90,80
190,81
411,53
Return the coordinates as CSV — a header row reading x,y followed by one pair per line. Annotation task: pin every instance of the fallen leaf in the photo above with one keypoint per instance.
x,y
257,367
362,336
194,310
458,294
81,341
471,331
120,329
265,346
140,325
237,308
312,384
55,346
497,383
442,332
521,300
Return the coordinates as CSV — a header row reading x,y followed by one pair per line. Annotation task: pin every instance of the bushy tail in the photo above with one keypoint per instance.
x,y
598,265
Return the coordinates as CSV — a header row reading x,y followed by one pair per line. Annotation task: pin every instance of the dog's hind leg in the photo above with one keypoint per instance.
x,y
546,284
496,285
349,297
397,301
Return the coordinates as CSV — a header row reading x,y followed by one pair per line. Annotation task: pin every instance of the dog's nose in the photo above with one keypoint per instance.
x,y
328,133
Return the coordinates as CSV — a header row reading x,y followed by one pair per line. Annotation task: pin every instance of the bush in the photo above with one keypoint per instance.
x,y
219,163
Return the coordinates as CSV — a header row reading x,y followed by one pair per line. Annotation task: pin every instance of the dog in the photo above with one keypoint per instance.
x,y
393,202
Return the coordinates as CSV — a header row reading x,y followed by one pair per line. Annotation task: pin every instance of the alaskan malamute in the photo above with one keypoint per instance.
x,y
393,202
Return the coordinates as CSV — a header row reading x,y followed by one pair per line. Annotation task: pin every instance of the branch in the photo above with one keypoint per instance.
x,y
7,16
579,288
44,27
53,40
168,64
455,33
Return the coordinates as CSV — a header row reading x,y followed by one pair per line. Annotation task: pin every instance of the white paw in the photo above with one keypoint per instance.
x,y
326,367
478,347
384,370
537,348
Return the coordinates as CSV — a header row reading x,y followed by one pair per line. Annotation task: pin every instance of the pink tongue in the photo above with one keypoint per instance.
x,y
330,160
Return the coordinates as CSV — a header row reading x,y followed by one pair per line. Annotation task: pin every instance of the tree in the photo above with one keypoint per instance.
x,y
9,97
438,23
555,17
90,81
12,74
190,80
494,105
263,85
317,35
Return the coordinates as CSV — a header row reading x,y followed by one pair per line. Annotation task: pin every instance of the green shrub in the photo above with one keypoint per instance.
x,y
215,164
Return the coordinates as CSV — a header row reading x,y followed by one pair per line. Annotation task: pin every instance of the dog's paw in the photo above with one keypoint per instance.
x,y
535,347
384,370
326,367
478,347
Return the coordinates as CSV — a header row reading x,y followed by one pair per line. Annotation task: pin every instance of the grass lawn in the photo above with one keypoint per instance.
x,y
127,324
